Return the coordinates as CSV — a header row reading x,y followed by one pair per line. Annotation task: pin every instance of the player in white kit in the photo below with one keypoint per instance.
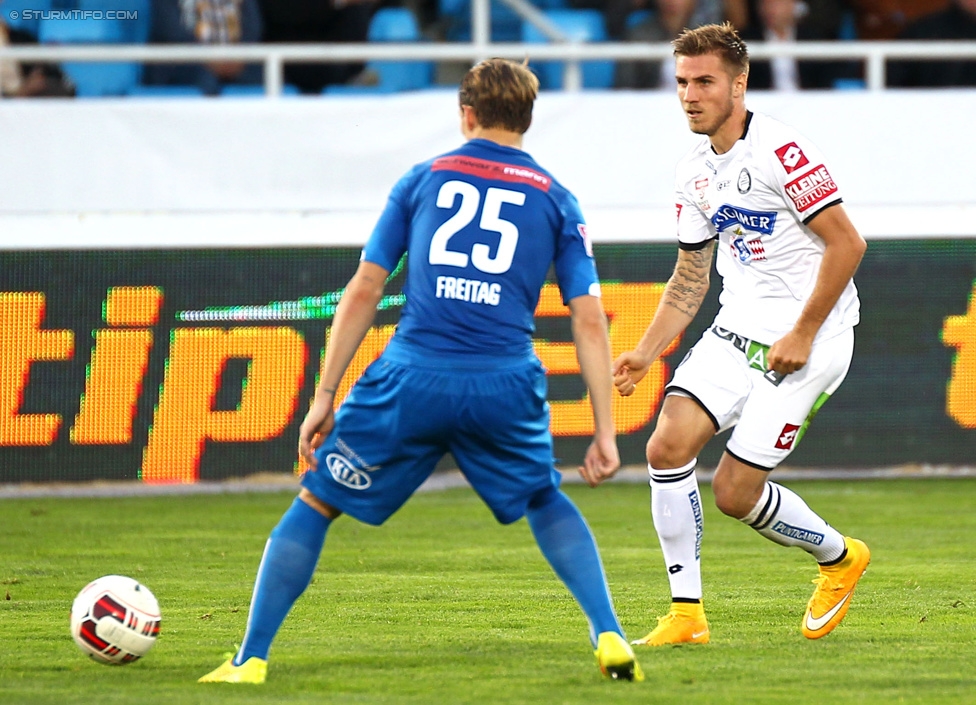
x,y
780,344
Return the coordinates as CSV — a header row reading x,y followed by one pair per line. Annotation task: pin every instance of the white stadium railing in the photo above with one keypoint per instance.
x,y
273,56
874,54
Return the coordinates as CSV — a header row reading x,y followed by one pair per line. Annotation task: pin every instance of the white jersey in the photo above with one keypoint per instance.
x,y
756,200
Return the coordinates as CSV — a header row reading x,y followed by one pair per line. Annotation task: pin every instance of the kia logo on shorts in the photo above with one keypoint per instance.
x,y
345,474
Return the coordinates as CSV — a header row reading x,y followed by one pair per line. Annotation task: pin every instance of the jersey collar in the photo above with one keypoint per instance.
x,y
745,131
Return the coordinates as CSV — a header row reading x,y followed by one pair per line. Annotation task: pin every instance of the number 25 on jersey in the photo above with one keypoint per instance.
x,y
491,221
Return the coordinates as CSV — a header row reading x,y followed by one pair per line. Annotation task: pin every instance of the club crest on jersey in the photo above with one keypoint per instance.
x,y
811,188
791,157
754,221
745,181
747,251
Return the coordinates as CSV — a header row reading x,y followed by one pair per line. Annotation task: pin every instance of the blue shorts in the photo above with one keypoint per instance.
x,y
401,417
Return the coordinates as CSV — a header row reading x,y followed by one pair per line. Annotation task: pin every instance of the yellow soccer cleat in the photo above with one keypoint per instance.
x,y
254,670
684,624
835,588
616,658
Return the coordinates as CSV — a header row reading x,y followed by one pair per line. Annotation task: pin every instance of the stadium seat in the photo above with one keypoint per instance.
x,y
578,25
91,79
136,24
506,24
847,31
849,84
637,17
141,91
393,24
254,91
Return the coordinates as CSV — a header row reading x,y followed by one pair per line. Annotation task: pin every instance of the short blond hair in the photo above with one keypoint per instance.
x,y
501,93
720,39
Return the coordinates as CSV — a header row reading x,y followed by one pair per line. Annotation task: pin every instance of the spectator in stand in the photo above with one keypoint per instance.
x,y
785,22
667,20
956,22
319,21
617,12
205,22
30,80
887,19
665,24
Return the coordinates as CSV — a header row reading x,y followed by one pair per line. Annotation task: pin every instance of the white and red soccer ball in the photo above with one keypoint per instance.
x,y
115,619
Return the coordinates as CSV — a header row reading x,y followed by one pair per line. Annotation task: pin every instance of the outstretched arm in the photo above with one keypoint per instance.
x,y
354,315
589,323
842,255
682,298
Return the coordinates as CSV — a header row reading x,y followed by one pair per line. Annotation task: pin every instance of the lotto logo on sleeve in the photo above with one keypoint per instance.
x,y
811,188
787,437
677,208
792,157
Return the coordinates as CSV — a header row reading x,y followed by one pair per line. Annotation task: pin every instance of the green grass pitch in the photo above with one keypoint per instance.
x,y
442,605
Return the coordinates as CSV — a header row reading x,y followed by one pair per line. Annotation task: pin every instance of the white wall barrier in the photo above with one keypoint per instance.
x,y
316,171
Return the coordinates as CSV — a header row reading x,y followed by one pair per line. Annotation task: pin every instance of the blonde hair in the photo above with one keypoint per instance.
x,y
501,93
720,39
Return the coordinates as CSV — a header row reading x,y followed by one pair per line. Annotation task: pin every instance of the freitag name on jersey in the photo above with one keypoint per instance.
x,y
472,290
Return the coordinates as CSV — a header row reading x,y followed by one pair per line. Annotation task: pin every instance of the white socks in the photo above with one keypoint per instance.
x,y
782,517
677,512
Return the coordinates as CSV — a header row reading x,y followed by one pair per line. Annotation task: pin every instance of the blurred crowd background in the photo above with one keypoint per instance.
x,y
25,22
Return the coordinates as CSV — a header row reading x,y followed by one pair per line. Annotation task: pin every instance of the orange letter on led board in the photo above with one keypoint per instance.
x,y
117,368
629,307
184,419
22,342
960,333
373,344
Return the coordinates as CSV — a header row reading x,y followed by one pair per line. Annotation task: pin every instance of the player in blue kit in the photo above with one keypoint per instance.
x,y
481,227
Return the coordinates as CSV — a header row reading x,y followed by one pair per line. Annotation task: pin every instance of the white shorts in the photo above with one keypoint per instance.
x,y
725,374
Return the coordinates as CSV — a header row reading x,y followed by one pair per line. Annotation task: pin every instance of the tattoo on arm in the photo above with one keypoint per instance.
x,y
688,284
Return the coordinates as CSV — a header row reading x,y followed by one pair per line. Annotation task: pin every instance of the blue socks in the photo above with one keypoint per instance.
x,y
566,542
295,543
286,570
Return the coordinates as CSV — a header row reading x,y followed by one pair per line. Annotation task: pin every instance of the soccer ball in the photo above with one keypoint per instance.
x,y
115,620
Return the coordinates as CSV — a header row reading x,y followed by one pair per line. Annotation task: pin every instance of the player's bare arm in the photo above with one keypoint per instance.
x,y
354,316
842,255
688,284
589,326
679,304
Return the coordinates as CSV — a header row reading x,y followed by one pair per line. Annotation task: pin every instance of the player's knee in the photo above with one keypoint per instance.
x,y
326,510
665,453
730,500
544,498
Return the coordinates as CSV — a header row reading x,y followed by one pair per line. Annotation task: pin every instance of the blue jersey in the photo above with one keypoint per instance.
x,y
481,226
